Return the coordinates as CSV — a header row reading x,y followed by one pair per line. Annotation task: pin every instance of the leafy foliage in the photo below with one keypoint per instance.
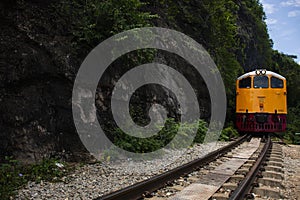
x,y
170,129
255,45
233,31
214,24
286,66
228,133
93,21
151,144
13,175
11,178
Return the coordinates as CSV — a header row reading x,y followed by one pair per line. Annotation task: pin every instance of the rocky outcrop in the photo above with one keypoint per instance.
x,y
39,63
36,73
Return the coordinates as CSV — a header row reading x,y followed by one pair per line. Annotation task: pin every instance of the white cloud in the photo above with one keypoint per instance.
x,y
294,13
286,34
293,3
269,8
271,21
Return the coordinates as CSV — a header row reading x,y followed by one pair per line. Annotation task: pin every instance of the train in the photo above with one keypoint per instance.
x,y
261,102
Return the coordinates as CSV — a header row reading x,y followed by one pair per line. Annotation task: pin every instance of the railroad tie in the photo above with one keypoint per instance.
x,y
209,184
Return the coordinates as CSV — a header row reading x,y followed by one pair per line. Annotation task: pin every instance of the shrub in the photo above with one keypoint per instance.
x,y
228,133
163,138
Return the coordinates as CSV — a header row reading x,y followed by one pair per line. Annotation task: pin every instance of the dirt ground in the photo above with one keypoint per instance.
x,y
292,171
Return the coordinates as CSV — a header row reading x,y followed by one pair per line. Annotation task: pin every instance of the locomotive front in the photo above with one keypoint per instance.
x,y
261,104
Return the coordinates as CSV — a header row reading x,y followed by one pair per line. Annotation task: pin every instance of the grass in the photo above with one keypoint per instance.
x,y
13,175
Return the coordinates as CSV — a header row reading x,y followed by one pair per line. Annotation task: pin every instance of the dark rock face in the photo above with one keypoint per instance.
x,y
254,36
38,66
147,95
37,70
36,84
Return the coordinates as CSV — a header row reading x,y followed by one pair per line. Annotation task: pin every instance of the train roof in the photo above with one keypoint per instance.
x,y
254,73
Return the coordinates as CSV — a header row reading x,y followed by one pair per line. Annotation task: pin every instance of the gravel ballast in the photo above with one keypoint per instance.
x,y
94,180
291,182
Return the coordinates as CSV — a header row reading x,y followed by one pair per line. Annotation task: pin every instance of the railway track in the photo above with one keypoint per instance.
x,y
245,186
227,173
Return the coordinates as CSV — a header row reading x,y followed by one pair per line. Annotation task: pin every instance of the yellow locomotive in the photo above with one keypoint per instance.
x,y
261,103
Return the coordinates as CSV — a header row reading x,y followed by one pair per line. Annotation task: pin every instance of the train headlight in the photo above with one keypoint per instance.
x,y
260,72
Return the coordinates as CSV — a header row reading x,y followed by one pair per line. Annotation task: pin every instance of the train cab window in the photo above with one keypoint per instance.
x,y
276,82
245,83
261,82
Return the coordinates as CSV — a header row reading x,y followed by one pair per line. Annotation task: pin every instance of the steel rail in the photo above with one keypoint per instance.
x,y
245,186
137,190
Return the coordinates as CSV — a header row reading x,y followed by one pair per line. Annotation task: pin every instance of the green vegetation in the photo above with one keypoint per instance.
x,y
94,21
228,133
234,33
13,175
167,133
286,66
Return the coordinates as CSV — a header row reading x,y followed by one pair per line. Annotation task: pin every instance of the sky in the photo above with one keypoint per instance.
x,y
283,21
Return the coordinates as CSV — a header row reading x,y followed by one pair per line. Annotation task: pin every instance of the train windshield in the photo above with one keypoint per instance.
x,y
276,82
261,82
245,83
